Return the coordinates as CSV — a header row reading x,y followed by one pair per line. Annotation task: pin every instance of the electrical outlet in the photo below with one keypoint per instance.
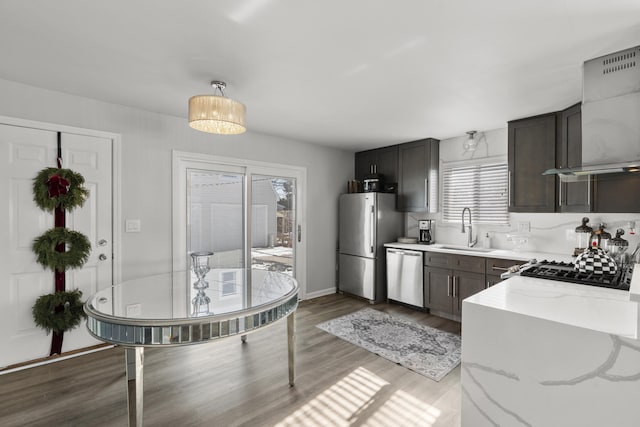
x,y
524,226
570,235
132,226
134,310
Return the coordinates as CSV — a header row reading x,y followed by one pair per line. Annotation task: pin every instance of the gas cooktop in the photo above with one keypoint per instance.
x,y
565,272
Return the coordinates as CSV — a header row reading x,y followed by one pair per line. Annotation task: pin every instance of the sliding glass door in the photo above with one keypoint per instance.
x,y
273,222
215,217
247,215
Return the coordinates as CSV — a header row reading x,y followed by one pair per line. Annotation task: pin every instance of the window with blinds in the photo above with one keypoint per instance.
x,y
483,188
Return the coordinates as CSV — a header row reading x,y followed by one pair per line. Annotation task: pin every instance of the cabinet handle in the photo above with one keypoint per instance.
x,y
509,190
448,286
426,193
489,283
560,192
454,287
493,267
589,192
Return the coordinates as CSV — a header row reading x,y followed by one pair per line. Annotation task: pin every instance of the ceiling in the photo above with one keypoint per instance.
x,y
354,74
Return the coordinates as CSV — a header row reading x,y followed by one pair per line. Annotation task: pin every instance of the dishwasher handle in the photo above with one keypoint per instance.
x,y
401,252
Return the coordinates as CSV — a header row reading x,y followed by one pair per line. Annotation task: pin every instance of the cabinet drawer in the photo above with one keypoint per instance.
x,y
438,259
497,266
474,264
492,279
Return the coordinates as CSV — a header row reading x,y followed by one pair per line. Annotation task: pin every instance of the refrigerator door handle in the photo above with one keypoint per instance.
x,y
372,228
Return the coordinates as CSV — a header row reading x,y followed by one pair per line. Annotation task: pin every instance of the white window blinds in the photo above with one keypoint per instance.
x,y
483,188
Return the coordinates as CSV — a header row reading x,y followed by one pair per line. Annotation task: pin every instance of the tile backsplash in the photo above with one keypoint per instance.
x,y
549,232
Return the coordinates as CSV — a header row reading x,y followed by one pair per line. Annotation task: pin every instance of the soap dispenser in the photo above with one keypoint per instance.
x,y
486,241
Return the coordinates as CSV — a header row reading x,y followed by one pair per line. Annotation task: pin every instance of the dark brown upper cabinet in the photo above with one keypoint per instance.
x,y
572,196
531,151
534,148
616,193
382,161
417,175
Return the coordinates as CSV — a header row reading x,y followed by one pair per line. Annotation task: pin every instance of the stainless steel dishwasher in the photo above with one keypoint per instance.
x,y
404,276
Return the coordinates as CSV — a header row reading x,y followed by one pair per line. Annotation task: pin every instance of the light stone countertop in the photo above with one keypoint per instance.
x,y
487,253
599,309
570,349
530,343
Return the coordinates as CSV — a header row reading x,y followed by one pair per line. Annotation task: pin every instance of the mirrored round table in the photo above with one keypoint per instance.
x,y
178,309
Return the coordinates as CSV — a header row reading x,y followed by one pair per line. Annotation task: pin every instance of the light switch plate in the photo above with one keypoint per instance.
x,y
134,310
132,226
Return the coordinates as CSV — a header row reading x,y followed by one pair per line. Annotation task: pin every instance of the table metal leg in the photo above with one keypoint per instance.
x,y
135,384
291,344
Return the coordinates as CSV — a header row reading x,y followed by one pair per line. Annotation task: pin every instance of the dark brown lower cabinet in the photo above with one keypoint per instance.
x,y
445,288
449,279
437,289
465,285
496,266
492,279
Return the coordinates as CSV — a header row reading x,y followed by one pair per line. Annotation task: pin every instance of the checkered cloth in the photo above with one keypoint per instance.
x,y
596,261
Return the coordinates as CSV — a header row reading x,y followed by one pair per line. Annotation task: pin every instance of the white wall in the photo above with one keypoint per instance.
x,y
550,232
147,141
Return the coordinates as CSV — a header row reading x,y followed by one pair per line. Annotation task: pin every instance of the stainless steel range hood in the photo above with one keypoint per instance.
x,y
610,115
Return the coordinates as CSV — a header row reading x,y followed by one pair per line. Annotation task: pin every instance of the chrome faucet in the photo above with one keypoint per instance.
x,y
471,243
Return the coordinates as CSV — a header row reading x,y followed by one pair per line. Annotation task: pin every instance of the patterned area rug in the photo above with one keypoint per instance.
x,y
422,349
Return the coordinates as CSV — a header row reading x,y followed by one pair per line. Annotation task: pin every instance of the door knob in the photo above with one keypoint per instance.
x,y
102,257
102,242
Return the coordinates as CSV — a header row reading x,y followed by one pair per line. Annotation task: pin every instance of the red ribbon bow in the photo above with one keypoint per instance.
x,y
57,186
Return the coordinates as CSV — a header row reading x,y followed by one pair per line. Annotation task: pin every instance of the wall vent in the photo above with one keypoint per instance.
x,y
610,108
611,75
620,62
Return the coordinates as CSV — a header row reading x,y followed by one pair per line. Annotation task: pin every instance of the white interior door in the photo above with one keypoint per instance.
x,y
91,157
22,281
25,152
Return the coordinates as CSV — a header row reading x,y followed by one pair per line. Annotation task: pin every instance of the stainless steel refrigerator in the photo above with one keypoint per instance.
x,y
367,222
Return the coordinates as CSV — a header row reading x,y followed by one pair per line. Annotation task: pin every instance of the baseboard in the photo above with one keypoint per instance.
x,y
446,315
317,294
55,358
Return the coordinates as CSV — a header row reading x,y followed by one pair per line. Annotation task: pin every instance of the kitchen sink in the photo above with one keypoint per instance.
x,y
464,248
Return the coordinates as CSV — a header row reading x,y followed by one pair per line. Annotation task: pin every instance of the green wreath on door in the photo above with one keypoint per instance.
x,y
55,188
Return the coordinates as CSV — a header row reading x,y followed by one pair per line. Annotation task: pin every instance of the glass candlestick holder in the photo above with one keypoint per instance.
x,y
200,266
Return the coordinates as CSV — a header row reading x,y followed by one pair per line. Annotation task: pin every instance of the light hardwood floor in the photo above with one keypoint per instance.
x,y
226,383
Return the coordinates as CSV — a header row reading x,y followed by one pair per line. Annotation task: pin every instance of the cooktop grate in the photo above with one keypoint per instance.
x,y
565,272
